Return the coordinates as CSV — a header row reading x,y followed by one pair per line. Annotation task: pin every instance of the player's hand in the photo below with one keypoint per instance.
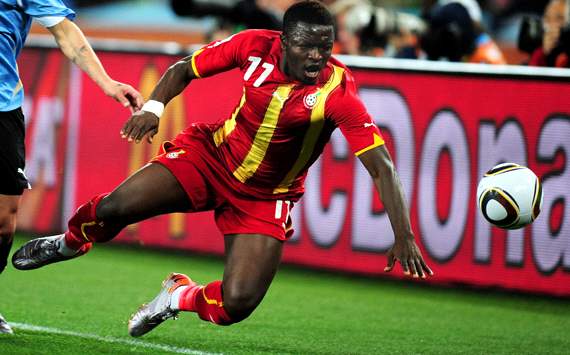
x,y
410,257
126,95
139,125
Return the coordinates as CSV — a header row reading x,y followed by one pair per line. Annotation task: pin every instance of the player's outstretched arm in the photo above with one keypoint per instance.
x,y
381,168
145,122
75,46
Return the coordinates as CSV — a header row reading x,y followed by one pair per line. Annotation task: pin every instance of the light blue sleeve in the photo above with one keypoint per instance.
x,y
46,8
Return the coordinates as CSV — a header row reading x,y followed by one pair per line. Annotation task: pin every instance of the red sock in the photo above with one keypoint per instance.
x,y
207,302
84,227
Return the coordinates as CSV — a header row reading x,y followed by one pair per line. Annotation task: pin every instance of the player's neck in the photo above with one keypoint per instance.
x,y
283,66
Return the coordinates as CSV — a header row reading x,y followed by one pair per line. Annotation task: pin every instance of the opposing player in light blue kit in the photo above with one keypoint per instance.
x,y
15,21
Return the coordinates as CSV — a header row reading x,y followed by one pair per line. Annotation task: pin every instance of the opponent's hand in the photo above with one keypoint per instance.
x,y
410,257
126,95
139,125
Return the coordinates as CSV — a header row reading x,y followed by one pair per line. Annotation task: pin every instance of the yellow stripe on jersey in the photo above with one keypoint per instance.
x,y
264,134
221,133
312,135
378,141
194,55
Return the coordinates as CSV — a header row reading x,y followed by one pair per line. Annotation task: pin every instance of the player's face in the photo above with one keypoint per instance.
x,y
307,48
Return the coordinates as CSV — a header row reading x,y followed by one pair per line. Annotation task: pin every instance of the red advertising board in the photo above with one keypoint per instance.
x,y
444,131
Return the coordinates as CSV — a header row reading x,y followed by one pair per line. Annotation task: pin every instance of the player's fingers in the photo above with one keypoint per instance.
x,y
138,100
412,265
135,98
120,97
140,134
134,133
127,129
404,264
419,270
426,268
390,263
151,134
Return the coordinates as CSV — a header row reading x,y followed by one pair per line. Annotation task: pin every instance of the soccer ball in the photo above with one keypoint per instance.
x,y
509,196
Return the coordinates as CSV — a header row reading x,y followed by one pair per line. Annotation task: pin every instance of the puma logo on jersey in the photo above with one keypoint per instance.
x,y
176,154
366,125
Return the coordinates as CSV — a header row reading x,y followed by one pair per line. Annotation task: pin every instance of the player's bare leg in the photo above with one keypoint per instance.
x,y
151,191
8,210
251,264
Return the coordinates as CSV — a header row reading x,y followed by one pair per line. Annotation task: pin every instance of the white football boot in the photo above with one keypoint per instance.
x,y
5,327
151,314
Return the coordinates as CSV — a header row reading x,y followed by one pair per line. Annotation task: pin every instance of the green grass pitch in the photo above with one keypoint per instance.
x,y
82,306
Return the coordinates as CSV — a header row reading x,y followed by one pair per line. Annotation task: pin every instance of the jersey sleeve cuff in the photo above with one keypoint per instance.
x,y
194,68
378,141
49,21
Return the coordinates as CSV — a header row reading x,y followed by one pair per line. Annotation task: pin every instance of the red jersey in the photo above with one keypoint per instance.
x,y
280,126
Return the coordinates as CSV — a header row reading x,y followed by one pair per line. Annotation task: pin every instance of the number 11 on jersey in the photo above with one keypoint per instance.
x,y
268,68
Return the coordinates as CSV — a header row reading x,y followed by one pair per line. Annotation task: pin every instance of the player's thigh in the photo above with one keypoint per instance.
x,y
151,191
251,263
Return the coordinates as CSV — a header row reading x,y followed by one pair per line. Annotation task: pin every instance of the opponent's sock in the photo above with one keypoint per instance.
x,y
84,227
206,301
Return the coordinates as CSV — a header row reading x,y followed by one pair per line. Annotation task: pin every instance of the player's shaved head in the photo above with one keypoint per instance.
x,y
309,12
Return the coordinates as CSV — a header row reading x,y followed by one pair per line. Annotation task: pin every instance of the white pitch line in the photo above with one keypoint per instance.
x,y
109,339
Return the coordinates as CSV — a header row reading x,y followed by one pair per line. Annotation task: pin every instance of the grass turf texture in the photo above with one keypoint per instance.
x,y
303,313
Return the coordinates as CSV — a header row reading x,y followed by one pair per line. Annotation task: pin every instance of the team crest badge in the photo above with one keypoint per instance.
x,y
176,154
310,100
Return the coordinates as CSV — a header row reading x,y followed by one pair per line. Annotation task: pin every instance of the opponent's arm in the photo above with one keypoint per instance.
x,y
74,46
171,84
379,164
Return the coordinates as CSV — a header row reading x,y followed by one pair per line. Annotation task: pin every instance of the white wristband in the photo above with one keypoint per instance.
x,y
154,106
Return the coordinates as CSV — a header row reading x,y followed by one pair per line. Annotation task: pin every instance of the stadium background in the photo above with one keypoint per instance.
x,y
446,124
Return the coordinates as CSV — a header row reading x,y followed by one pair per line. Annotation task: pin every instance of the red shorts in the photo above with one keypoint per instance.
x,y
234,213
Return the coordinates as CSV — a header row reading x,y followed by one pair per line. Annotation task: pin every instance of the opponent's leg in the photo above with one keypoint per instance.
x,y
151,191
8,210
251,263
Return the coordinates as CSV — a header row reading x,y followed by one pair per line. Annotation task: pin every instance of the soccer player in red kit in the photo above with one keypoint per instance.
x,y
249,168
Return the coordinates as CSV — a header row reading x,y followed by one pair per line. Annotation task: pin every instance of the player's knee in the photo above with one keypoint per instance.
x,y
111,208
241,301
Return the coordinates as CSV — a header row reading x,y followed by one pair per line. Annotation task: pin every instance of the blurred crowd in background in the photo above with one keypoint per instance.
x,y
524,32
